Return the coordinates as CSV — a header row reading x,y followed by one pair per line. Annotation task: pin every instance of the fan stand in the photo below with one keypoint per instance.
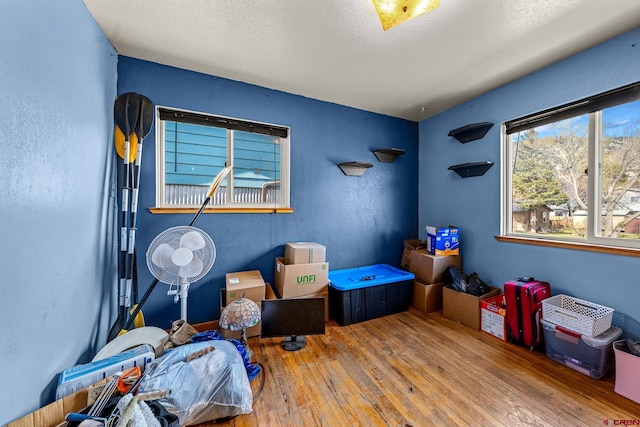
x,y
180,292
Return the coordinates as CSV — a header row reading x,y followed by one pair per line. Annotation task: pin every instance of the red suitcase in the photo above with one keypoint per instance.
x,y
523,298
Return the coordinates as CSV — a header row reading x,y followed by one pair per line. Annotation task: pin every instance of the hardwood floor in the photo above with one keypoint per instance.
x,y
412,369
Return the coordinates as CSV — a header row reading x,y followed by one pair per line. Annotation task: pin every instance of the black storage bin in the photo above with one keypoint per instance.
x,y
363,293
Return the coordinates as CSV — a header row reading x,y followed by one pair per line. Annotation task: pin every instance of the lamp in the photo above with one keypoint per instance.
x,y
394,12
238,316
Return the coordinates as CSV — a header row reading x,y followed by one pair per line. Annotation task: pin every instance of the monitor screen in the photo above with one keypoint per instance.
x,y
286,317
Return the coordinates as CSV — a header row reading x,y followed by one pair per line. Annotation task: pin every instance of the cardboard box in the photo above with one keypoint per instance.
x,y
463,307
247,283
253,331
410,246
304,253
429,268
53,414
300,279
493,316
443,240
427,297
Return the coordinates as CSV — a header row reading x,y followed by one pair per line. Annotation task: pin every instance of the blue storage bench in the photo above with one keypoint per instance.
x,y
363,293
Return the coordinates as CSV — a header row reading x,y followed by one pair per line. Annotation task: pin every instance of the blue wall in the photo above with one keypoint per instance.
x,y
58,83
474,203
58,213
361,220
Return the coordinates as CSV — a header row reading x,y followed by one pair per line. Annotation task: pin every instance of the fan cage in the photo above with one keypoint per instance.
x,y
169,274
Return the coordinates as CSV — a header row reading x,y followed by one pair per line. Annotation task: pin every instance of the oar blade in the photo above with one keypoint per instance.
x,y
145,117
120,111
133,112
119,143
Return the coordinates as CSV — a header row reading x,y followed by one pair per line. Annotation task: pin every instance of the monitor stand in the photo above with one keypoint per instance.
x,y
293,343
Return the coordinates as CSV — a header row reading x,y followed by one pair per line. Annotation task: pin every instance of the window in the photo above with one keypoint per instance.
x,y
193,148
572,173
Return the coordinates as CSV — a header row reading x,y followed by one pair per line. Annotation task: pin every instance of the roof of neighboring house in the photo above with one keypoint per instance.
x,y
517,208
250,179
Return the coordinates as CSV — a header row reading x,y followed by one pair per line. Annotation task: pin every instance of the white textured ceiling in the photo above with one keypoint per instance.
x,y
336,50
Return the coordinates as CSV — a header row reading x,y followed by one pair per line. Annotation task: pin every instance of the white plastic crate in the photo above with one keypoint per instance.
x,y
577,315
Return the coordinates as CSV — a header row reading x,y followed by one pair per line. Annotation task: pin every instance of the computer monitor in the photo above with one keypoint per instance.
x,y
292,319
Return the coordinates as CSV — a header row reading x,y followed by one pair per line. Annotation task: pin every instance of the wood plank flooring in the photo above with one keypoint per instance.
x,y
412,369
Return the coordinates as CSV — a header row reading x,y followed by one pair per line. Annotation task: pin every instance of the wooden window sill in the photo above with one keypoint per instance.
x,y
613,250
219,210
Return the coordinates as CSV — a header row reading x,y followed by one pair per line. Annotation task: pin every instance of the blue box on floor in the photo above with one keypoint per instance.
x,y
363,293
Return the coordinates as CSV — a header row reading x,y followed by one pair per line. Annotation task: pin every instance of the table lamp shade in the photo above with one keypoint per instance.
x,y
240,315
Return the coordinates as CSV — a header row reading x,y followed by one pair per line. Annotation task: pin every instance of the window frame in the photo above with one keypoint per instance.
x,y
593,106
230,124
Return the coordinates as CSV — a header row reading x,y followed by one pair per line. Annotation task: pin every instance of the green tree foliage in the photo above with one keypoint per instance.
x,y
620,174
550,168
535,182
567,149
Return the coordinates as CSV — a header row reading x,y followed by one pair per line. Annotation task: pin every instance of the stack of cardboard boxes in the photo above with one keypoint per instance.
x,y
428,263
460,306
303,272
428,260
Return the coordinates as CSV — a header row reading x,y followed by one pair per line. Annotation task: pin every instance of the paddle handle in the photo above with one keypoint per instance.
x,y
136,310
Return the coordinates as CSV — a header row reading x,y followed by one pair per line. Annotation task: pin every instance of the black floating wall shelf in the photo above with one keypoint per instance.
x,y
354,168
388,155
471,132
466,170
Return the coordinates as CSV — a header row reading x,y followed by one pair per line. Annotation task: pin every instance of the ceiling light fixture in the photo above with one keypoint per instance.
x,y
394,12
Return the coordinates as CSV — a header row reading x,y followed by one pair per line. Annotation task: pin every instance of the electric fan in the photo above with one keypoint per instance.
x,y
178,257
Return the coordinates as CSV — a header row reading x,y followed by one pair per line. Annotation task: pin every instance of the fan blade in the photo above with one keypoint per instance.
x,y
193,269
192,240
182,256
162,255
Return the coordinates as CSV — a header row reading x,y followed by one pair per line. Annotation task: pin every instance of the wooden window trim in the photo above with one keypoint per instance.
x,y
219,210
612,250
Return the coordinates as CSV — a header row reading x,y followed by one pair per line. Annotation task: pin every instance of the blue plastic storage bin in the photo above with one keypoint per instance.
x,y
363,293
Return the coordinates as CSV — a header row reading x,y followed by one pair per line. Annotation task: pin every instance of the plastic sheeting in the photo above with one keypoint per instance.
x,y
209,387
